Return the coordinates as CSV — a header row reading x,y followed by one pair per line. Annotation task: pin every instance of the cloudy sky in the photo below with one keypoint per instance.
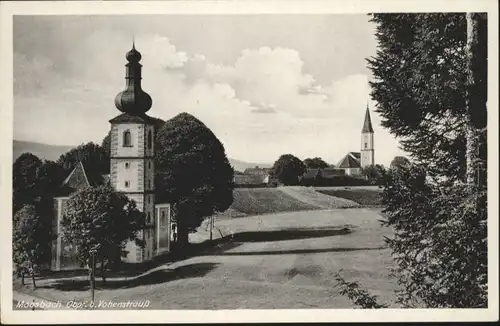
x,y
265,84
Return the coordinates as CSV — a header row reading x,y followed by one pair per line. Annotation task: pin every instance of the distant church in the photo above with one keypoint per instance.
x,y
131,173
353,162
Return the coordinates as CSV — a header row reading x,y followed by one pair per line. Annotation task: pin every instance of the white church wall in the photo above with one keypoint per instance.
x,y
124,176
136,131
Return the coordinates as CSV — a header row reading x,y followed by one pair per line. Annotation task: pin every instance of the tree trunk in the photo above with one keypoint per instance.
x,y
33,278
211,225
182,236
476,98
103,270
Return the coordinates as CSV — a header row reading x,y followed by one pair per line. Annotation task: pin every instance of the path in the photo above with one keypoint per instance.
x,y
275,261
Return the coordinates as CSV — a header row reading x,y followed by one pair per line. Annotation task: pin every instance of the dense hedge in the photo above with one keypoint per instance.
x,y
342,180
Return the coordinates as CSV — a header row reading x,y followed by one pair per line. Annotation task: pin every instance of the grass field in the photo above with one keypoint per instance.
x,y
285,260
365,196
260,201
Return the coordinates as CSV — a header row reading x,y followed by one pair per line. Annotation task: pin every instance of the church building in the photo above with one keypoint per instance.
x,y
353,162
131,173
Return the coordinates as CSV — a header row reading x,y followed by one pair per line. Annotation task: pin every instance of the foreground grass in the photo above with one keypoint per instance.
x,y
286,260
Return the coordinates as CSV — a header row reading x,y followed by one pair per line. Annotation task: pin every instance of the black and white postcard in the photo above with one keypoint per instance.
x,y
249,161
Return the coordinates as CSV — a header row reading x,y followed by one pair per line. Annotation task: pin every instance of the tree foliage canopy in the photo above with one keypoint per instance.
x,y
193,172
90,153
422,92
420,74
430,86
24,174
315,163
398,161
100,216
30,240
288,169
374,173
440,240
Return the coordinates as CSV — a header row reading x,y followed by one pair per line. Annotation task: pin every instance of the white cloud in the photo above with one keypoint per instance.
x,y
304,118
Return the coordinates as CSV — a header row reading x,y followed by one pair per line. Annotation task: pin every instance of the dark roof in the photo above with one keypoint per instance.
x,y
356,155
83,175
349,161
331,172
129,118
257,171
248,179
367,125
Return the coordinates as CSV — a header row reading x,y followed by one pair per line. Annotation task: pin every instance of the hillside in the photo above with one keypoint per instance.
x,y
52,152
43,151
260,201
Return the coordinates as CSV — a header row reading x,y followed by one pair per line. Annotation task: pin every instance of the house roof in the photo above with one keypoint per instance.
x,y
351,160
256,171
247,179
357,155
331,172
129,118
83,175
367,125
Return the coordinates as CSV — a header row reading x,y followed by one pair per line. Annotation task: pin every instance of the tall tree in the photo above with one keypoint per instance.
x,y
31,241
99,217
288,169
420,87
24,173
476,97
398,161
194,172
315,163
90,153
430,85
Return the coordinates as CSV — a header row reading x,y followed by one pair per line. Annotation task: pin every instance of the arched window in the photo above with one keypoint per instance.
x,y
150,139
127,139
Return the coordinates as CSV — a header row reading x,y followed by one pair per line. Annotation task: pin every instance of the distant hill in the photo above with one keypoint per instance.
x,y
52,152
43,151
241,166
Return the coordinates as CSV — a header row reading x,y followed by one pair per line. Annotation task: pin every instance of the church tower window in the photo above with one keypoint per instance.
x,y
127,139
150,139
127,184
127,165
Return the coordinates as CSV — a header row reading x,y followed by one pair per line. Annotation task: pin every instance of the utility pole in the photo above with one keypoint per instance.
x,y
93,253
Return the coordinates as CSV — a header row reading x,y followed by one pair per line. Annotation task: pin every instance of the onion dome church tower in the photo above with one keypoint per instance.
x,y
367,143
132,153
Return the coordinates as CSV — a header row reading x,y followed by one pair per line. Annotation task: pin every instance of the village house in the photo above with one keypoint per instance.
x,y
252,177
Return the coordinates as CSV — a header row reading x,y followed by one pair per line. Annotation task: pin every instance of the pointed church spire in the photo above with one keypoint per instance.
x,y
367,125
